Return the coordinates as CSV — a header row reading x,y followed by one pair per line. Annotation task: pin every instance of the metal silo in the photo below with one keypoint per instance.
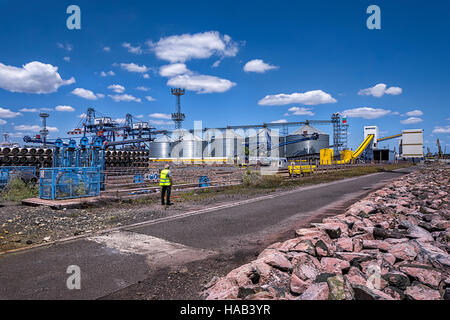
x,y
308,147
160,147
223,144
188,146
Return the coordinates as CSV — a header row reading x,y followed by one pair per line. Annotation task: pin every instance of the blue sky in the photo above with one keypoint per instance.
x,y
241,62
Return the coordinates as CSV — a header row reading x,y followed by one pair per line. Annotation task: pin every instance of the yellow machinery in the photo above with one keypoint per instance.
x,y
298,170
347,156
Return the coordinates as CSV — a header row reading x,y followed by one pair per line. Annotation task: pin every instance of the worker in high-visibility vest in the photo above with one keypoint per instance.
x,y
165,181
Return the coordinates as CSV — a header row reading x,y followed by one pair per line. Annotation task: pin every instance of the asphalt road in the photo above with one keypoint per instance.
x,y
114,261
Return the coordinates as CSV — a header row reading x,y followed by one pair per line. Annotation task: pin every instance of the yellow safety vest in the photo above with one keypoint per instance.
x,y
163,178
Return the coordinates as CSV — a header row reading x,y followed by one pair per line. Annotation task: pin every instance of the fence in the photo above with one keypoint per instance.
x,y
69,183
8,173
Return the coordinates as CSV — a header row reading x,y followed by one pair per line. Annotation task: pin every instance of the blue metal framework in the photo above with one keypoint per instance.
x,y
9,173
69,183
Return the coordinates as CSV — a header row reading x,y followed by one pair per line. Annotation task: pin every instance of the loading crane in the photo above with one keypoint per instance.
x,y
440,154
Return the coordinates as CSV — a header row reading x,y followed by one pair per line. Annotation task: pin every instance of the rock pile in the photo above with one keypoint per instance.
x,y
394,244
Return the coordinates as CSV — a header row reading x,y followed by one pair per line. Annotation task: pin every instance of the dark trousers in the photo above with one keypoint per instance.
x,y
164,190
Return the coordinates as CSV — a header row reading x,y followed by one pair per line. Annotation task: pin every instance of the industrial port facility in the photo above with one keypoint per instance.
x,y
98,146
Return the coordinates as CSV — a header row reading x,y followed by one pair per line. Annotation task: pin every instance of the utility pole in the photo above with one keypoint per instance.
x,y
44,131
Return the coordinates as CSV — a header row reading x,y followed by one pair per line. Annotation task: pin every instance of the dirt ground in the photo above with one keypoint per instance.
x,y
22,226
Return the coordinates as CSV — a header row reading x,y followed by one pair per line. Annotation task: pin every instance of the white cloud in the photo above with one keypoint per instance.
x,y
142,88
67,59
132,67
181,48
8,114
411,120
439,129
201,83
150,98
380,90
64,109
160,116
366,113
280,121
140,116
131,49
2,121
34,128
309,98
216,64
29,110
81,116
414,113
172,70
124,97
298,111
117,88
107,49
146,76
34,77
258,65
67,46
87,94
109,73
161,122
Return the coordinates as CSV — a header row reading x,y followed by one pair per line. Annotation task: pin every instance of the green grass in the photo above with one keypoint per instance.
x,y
17,190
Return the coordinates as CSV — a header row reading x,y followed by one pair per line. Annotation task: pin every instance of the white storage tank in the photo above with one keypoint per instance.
x,y
161,147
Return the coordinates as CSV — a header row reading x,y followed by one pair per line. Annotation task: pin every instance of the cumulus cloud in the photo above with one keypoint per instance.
x,y
64,109
142,88
380,90
2,122
172,70
67,59
87,94
280,121
439,129
107,49
366,113
201,83
181,48
117,88
150,98
7,113
131,49
106,74
259,66
299,111
411,120
146,76
414,113
124,97
160,116
309,98
132,67
34,128
161,122
34,77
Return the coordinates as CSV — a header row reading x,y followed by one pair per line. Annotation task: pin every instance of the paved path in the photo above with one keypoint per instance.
x,y
117,259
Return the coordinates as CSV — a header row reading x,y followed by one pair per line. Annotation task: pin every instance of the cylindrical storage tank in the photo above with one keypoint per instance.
x,y
160,147
40,151
190,146
6,151
308,147
48,151
15,151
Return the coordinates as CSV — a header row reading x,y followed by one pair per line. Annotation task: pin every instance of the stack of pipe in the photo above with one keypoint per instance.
x,y
35,157
126,158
